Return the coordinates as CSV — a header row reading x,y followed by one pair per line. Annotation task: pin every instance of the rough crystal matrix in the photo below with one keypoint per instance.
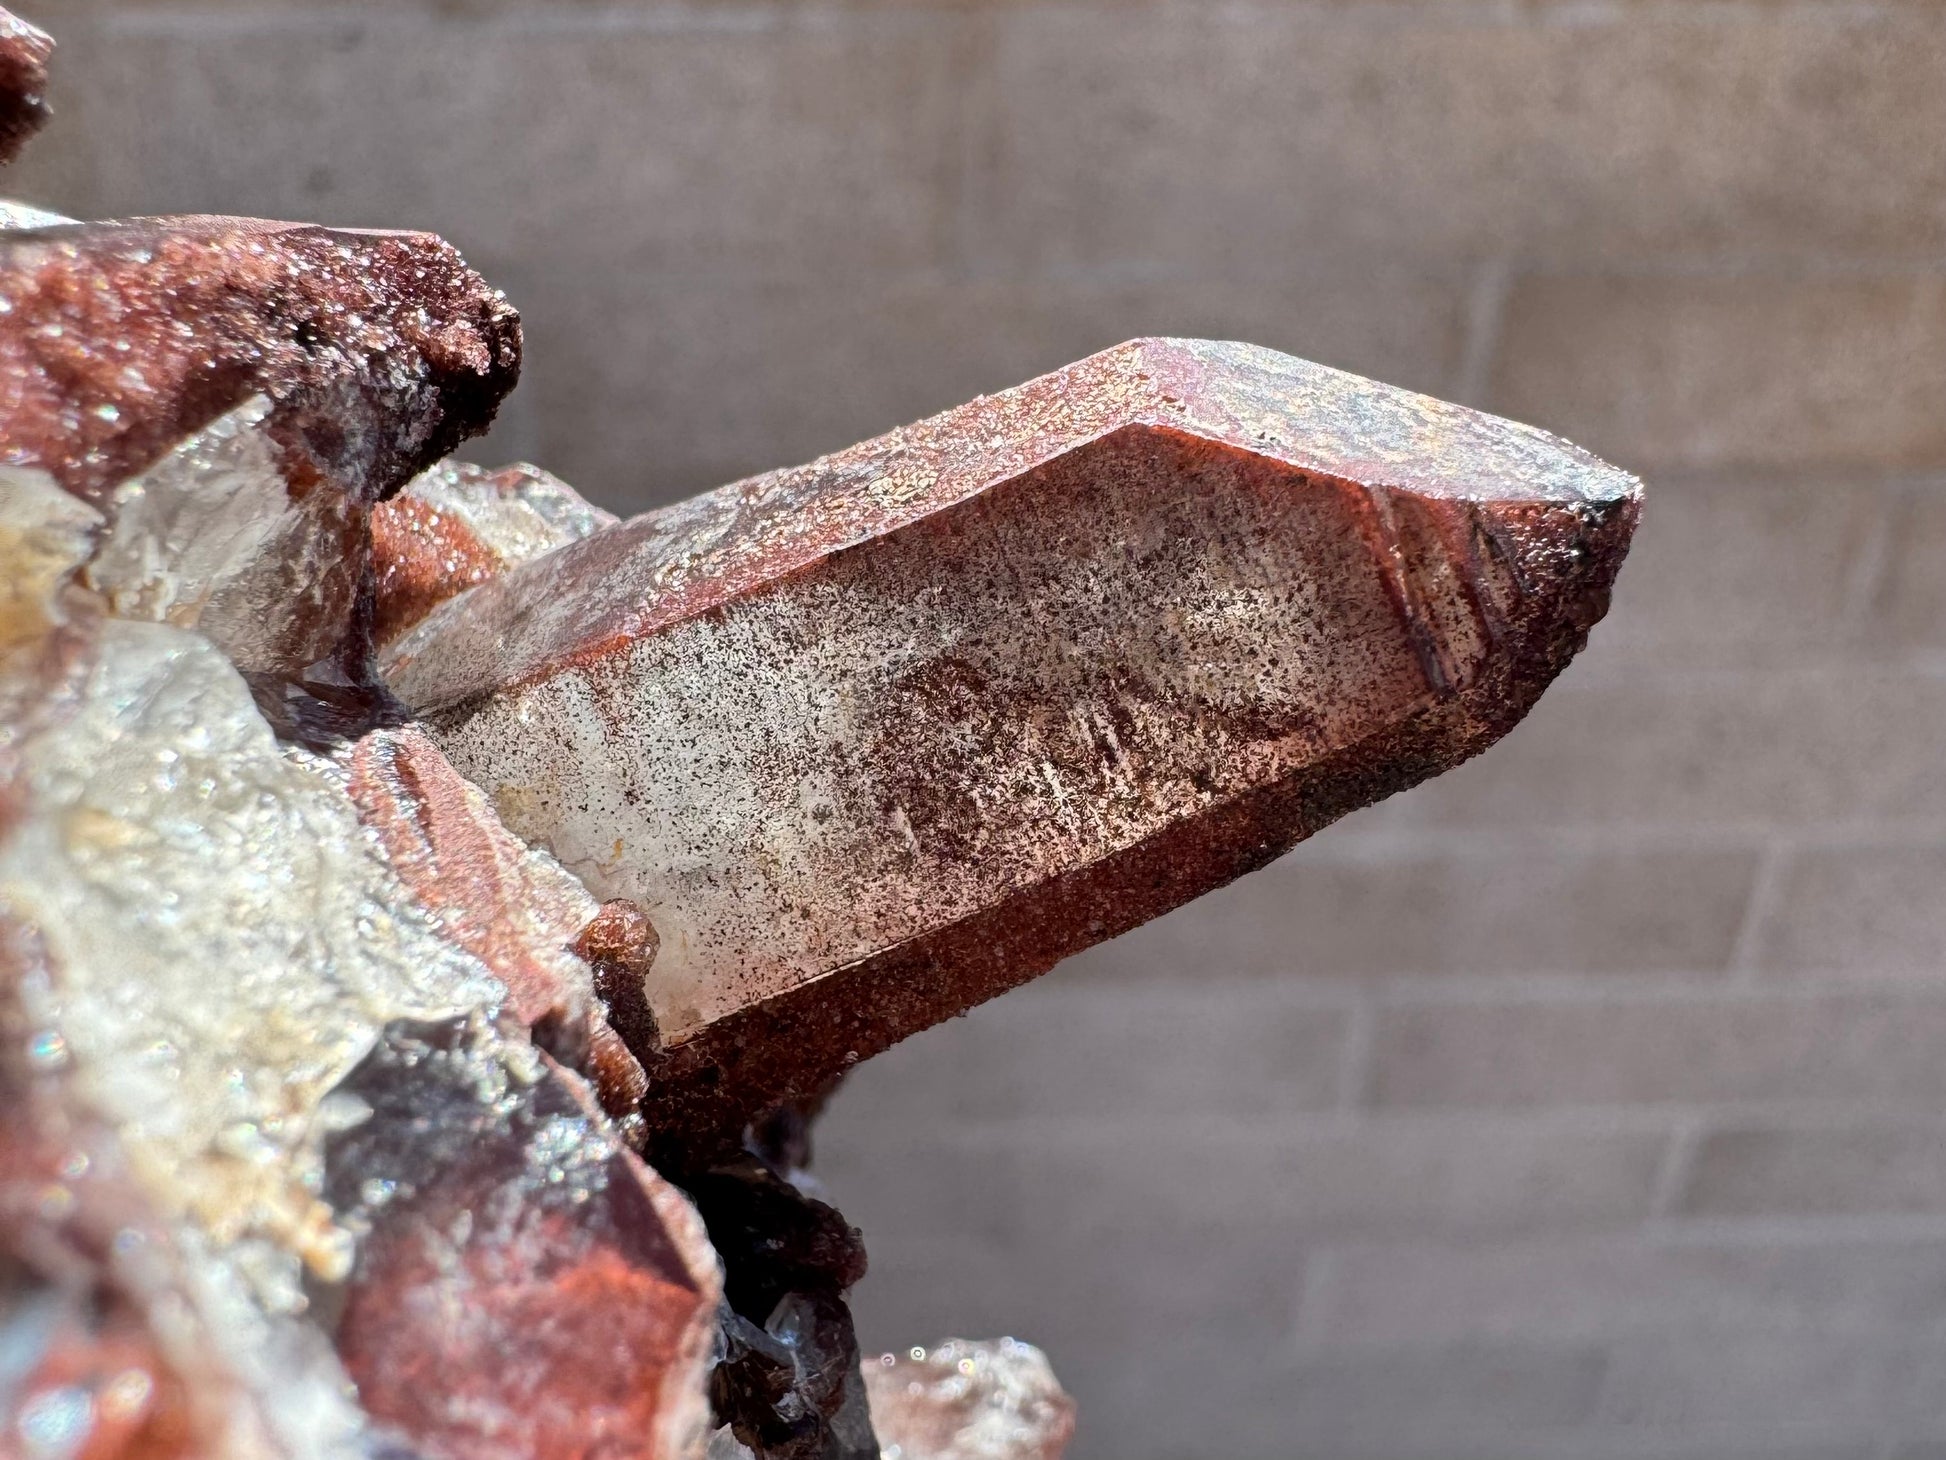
x,y
233,395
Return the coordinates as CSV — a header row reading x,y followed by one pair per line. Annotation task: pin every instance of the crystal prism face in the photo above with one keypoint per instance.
x,y
525,1288
873,739
962,1400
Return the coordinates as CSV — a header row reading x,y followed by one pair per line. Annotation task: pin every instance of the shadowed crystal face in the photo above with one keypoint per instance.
x,y
876,737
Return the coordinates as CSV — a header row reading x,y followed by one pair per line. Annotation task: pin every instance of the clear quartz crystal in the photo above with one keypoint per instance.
x,y
518,512
209,537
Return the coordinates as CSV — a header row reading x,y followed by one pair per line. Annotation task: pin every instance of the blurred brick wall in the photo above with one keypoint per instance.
x,y
1588,1104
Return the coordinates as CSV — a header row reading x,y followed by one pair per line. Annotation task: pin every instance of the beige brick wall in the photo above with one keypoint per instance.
x,y
1589,1104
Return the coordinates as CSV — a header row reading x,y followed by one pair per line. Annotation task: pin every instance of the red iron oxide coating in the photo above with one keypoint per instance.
x,y
24,51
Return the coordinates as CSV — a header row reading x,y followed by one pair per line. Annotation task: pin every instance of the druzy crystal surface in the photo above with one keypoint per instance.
x,y
432,912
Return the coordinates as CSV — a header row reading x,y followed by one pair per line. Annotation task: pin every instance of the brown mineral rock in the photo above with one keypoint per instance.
x,y
969,1401
233,396
875,738
24,51
458,525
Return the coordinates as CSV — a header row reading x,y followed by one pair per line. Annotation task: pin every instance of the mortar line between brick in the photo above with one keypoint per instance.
x,y
1443,991
1766,891
1357,1057
1678,1157
757,17
1421,842
1486,308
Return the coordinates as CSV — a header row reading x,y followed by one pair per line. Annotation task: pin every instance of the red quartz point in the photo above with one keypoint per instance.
x,y
872,739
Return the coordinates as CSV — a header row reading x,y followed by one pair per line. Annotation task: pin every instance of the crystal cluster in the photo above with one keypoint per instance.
x,y
431,911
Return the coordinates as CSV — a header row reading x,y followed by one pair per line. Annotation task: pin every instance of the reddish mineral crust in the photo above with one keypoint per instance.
x,y
381,351
872,739
513,908
24,51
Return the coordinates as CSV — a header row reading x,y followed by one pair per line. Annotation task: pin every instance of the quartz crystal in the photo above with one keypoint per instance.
x,y
235,978
872,739
234,395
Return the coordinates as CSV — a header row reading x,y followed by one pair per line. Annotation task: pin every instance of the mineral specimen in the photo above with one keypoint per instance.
x,y
282,1159
525,1288
873,739
284,1066
459,525
332,1043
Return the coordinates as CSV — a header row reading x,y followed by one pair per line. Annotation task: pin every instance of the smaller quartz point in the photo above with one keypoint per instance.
x,y
515,909
459,524
24,52
962,1400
